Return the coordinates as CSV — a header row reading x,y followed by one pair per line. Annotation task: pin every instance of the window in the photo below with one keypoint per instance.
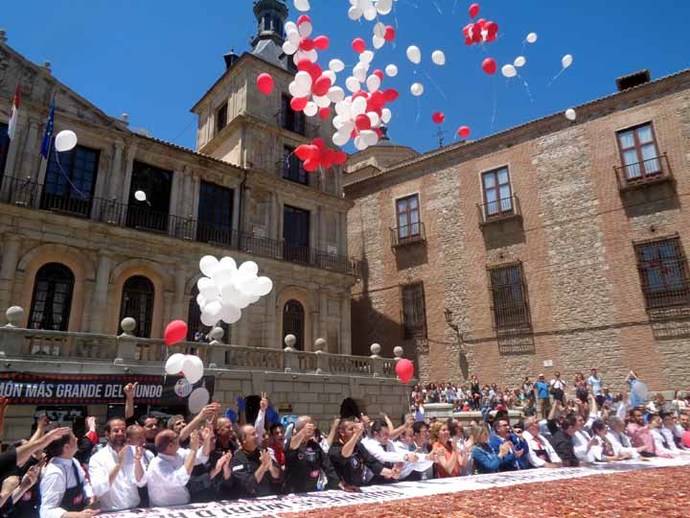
x,y
52,298
4,148
137,302
293,322
296,235
663,273
215,214
414,311
71,180
221,117
151,214
292,167
639,152
407,215
289,119
497,193
510,305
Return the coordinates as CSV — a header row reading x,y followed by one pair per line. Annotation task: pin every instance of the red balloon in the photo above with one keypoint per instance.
x,y
339,157
303,152
474,10
315,72
311,165
322,42
321,86
379,73
307,44
175,332
324,113
404,369
391,95
298,103
464,131
489,66
389,34
303,18
362,122
264,82
438,117
359,45
304,65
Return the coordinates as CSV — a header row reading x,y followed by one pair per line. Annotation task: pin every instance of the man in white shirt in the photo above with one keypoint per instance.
x,y
169,473
620,442
595,386
65,490
383,450
557,387
112,471
540,454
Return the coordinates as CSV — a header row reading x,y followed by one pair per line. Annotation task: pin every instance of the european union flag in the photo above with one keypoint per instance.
x,y
48,134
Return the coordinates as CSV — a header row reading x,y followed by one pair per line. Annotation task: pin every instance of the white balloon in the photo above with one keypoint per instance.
x,y
391,70
570,114
370,13
330,75
520,61
378,42
508,71
384,6
213,308
305,29
374,119
208,320
198,399
311,109
193,368
209,293
201,300
373,83
340,138
182,388
414,54
311,55
359,106
302,5
532,37
263,286
366,57
438,57
290,27
336,65
289,47
360,143
360,72
230,313
228,264
417,89
208,265
352,84
354,13
386,115
249,268
380,29
322,102
140,196
174,364
567,60
370,137
303,83
336,94
66,140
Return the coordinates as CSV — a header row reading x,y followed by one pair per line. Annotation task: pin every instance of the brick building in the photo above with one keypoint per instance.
x,y
554,245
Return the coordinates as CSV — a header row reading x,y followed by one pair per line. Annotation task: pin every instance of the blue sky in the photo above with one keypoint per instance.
x,y
153,59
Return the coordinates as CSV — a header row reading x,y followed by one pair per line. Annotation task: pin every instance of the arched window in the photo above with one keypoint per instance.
x,y
196,331
52,298
137,302
293,322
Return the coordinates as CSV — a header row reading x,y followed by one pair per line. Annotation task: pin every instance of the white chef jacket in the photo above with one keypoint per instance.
x,y
534,459
383,454
621,444
167,478
123,493
57,477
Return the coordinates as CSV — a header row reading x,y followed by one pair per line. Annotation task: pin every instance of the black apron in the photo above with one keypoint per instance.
x,y
74,499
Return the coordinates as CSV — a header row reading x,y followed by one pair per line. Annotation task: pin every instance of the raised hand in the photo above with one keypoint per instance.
x,y
138,453
266,459
42,423
122,455
91,423
30,478
194,440
263,405
130,390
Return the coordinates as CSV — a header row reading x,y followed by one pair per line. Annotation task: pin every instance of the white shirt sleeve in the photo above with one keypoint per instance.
x,y
53,486
200,457
260,426
379,453
99,474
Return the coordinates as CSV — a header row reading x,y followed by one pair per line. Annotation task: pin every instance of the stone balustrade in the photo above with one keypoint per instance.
x,y
126,349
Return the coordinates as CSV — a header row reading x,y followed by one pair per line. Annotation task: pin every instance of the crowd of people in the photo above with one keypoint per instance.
x,y
148,463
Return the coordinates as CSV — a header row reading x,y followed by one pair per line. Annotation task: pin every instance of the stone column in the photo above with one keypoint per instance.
x,y
272,317
179,296
10,257
99,300
342,233
323,315
116,171
31,150
193,195
345,322
124,186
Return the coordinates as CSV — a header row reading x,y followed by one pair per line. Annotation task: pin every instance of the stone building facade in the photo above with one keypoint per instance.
x,y
554,245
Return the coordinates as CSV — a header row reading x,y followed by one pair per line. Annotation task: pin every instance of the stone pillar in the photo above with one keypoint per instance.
x,y
323,314
345,322
342,233
125,184
192,196
277,223
10,257
100,295
179,296
272,314
31,150
116,186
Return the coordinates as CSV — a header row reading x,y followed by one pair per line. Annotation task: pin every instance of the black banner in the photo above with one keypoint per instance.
x,y
39,389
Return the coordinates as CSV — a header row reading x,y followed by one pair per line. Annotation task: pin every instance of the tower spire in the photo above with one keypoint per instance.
x,y
271,16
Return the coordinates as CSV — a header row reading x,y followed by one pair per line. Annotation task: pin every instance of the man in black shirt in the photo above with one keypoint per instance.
x,y
254,472
305,460
562,439
351,460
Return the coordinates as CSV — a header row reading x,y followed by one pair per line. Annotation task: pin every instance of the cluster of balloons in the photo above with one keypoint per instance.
x,y
317,155
227,290
481,31
192,369
369,9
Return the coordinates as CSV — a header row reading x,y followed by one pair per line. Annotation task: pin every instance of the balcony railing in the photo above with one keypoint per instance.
x,y
27,193
499,210
408,234
639,174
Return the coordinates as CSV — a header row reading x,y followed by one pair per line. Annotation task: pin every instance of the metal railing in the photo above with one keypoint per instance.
x,y
30,194
408,234
641,173
505,208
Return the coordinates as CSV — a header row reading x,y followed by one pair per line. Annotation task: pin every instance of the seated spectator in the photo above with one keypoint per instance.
x,y
255,472
684,421
449,460
64,486
662,446
619,440
484,457
639,433
520,445
500,437
540,453
673,432
602,450
562,436
169,472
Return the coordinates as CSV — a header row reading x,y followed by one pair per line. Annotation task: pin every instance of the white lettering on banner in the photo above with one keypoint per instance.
x,y
276,505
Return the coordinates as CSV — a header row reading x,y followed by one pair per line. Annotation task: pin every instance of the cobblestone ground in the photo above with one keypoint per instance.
x,y
651,492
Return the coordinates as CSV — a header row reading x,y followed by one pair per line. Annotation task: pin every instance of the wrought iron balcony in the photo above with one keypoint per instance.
x,y
28,193
408,234
499,210
650,171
